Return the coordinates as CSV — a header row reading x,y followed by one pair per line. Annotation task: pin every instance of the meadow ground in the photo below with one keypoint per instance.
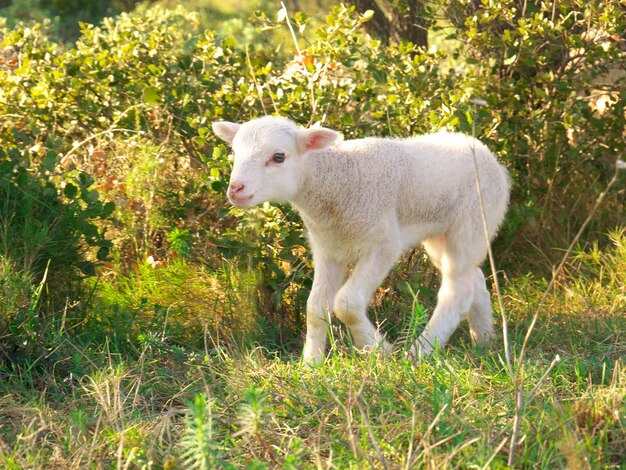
x,y
97,401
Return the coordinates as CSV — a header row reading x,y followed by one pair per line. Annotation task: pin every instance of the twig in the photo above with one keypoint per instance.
x,y
460,448
423,443
94,136
309,75
532,393
435,420
505,329
259,89
379,451
409,456
354,445
495,452
492,263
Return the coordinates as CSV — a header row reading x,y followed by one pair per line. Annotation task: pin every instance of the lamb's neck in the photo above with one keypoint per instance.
x,y
320,192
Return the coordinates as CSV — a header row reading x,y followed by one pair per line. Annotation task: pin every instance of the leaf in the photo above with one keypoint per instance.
x,y
103,253
90,196
50,160
70,191
85,180
108,209
510,60
151,95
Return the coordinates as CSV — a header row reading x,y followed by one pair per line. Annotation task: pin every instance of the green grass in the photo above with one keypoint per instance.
x,y
160,404
138,375
453,410
110,384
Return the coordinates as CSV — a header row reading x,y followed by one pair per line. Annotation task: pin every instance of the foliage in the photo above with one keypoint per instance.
x,y
44,219
15,294
125,116
49,241
552,76
62,15
199,447
398,20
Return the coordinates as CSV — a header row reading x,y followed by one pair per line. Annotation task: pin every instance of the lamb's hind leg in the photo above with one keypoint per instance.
x,y
453,302
455,298
351,301
480,315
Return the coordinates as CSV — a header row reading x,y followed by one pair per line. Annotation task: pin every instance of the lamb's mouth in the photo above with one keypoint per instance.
x,y
241,201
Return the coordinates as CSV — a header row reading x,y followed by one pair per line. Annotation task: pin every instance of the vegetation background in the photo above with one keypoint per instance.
x,y
144,323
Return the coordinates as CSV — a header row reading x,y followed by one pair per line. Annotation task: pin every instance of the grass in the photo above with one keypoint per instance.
x,y
453,410
130,402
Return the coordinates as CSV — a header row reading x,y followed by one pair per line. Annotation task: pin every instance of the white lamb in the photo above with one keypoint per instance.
x,y
366,201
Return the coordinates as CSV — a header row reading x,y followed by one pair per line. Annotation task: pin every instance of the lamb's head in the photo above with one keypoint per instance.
x,y
268,157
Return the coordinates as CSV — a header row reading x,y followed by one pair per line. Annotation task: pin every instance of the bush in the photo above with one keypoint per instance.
x,y
15,294
45,222
553,79
125,115
48,237
63,15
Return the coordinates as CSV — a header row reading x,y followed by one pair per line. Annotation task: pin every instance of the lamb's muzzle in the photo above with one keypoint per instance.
x,y
238,195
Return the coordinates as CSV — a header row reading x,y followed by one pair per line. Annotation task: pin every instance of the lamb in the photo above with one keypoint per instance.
x,y
364,202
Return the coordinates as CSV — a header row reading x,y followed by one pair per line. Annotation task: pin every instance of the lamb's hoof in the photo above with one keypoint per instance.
x,y
312,358
482,339
383,349
418,352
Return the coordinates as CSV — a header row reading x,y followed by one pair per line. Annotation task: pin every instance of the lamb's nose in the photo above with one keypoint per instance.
x,y
236,188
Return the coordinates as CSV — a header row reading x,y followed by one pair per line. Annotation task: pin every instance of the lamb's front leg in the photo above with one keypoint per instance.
x,y
327,278
353,298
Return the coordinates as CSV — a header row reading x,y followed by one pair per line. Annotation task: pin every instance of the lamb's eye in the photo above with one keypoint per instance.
x,y
279,157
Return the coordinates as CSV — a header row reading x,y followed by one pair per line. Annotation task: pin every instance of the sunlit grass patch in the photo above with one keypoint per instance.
x,y
146,383
237,406
184,300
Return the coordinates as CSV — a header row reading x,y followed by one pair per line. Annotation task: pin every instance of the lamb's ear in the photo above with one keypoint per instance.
x,y
316,138
226,130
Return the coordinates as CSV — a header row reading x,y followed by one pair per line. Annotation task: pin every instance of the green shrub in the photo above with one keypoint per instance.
x,y
130,106
15,294
47,223
63,15
552,75
49,241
